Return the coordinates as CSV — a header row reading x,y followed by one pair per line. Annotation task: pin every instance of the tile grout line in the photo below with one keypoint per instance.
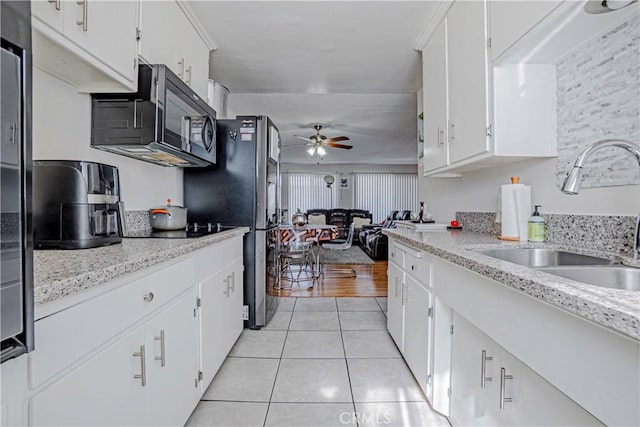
x,y
273,387
344,351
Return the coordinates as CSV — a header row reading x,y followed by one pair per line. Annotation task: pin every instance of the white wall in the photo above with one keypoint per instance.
x,y
62,130
478,191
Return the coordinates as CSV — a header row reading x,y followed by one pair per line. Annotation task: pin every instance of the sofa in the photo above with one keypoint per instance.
x,y
341,218
373,242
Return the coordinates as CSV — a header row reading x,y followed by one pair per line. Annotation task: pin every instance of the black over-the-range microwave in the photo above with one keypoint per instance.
x,y
165,122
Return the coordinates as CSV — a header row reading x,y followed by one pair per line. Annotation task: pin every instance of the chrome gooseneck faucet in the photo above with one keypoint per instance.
x,y
573,180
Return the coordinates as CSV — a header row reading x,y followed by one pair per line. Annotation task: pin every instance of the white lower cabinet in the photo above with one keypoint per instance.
x,y
132,355
418,331
490,387
221,322
172,365
395,304
100,390
410,311
147,377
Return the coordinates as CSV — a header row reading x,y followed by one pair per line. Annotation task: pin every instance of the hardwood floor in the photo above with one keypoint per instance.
x,y
370,281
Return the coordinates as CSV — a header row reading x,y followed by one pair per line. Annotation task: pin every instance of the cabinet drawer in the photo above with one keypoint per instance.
x,y
418,267
214,258
396,254
64,337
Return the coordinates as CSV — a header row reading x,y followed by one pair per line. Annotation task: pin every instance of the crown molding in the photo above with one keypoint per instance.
x,y
192,17
430,27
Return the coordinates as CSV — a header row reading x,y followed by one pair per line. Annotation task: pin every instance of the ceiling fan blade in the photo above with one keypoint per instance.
x,y
338,138
301,144
303,137
334,145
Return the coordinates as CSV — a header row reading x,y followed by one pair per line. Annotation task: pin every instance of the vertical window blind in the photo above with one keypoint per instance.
x,y
383,192
309,191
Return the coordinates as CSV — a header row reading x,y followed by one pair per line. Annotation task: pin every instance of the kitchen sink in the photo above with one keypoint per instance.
x,y
615,277
540,257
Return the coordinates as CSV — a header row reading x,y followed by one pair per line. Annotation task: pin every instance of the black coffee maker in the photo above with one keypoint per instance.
x,y
76,205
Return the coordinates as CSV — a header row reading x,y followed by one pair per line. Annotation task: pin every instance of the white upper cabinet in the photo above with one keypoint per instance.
x,y
510,20
479,114
167,36
434,68
90,44
466,47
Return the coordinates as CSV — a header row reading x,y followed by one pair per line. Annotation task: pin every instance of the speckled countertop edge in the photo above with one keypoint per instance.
x,y
618,310
59,273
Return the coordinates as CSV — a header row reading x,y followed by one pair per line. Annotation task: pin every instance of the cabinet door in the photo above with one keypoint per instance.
x,y
212,300
434,77
160,26
49,13
172,363
473,401
106,29
100,390
534,401
196,60
418,332
395,305
510,20
467,66
233,321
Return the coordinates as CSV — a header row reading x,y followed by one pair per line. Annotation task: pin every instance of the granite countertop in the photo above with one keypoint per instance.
x,y
60,273
616,309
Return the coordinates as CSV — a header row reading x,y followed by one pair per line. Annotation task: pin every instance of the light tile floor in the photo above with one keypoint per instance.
x,y
319,362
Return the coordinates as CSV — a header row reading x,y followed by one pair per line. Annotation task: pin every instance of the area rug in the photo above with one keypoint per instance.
x,y
353,255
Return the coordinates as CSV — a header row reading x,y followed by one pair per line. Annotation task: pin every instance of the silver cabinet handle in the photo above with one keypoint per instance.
x,y
181,65
452,131
142,376
503,378
393,254
137,114
14,131
187,80
85,14
405,293
440,138
483,368
227,290
396,287
233,281
148,297
57,3
162,356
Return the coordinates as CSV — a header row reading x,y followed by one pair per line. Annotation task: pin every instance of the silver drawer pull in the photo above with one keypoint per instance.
x,y
85,14
148,297
162,356
57,3
483,369
142,376
503,378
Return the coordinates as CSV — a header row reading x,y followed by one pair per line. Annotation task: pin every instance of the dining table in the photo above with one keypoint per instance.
x,y
286,234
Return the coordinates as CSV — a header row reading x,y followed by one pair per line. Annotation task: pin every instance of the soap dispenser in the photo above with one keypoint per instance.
x,y
535,226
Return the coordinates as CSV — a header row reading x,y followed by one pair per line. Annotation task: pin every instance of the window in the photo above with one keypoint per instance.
x,y
309,191
383,192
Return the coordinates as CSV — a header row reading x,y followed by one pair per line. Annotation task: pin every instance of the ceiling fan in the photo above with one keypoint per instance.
x,y
318,142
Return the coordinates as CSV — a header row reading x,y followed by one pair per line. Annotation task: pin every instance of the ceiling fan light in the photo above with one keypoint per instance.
x,y
311,151
322,151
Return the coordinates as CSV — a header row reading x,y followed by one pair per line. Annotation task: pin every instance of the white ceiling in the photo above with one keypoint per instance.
x,y
349,65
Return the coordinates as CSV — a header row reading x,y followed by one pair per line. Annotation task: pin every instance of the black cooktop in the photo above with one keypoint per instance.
x,y
190,232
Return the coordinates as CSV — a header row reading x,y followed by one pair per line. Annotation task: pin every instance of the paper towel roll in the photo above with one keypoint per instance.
x,y
516,208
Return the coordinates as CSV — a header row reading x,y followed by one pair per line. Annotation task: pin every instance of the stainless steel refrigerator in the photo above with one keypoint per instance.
x,y
242,190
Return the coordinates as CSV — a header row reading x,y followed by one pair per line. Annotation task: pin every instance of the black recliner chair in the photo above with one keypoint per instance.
x,y
375,243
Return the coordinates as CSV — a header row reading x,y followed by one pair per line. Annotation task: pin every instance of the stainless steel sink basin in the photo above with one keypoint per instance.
x,y
539,257
615,277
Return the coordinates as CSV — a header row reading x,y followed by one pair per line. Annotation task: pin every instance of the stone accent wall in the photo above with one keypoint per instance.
x,y
609,233
599,97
